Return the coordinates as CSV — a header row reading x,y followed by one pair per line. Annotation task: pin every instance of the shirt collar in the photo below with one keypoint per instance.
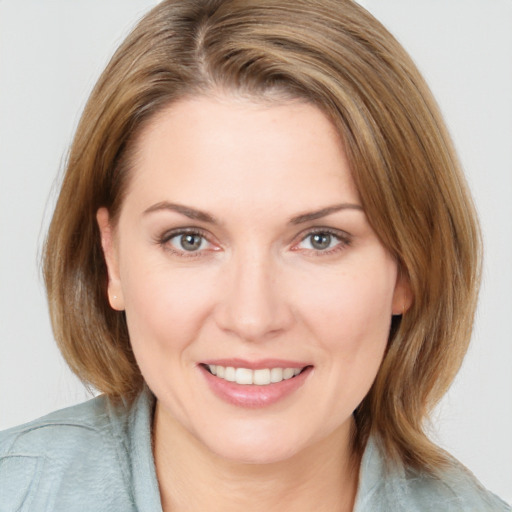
x,y
146,492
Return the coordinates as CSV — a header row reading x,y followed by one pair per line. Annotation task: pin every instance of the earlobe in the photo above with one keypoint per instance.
x,y
115,293
402,297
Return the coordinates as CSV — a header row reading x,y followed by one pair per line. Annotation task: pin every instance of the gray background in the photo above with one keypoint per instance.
x,y
51,52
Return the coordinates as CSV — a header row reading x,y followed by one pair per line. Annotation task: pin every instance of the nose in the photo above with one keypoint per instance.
x,y
253,304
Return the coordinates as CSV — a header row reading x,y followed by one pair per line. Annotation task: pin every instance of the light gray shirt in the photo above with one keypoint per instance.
x,y
97,456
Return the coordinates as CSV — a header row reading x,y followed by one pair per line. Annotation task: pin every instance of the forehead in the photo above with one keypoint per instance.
x,y
234,151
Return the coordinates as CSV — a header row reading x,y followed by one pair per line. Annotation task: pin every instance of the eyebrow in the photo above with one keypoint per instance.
x,y
191,213
195,214
318,214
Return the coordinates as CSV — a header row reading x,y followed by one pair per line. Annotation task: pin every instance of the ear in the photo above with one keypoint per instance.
x,y
402,296
110,252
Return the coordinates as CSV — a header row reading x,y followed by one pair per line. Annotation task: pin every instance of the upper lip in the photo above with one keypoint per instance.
x,y
257,364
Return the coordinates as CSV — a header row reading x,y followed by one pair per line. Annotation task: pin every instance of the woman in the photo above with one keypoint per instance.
x,y
249,255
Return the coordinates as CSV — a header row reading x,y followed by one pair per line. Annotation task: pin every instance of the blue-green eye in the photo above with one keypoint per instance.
x,y
323,241
188,242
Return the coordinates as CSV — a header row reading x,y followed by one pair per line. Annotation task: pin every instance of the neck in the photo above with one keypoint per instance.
x,y
323,477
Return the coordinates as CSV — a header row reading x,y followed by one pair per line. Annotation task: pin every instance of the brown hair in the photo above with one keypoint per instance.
x,y
336,55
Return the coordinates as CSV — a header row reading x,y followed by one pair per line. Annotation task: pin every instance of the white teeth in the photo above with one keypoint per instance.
x,y
230,374
261,377
276,375
288,373
243,376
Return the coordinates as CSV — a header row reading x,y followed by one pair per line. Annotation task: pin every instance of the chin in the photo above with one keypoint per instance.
x,y
253,447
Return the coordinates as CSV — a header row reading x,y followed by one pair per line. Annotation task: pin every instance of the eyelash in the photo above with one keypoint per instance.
x,y
165,238
343,238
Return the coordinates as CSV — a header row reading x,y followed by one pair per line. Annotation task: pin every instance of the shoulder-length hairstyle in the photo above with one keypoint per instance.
x,y
335,55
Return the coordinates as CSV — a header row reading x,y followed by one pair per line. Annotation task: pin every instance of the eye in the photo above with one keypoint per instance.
x,y
323,241
186,242
189,242
320,241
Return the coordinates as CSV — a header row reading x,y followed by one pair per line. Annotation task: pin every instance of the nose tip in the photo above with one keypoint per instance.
x,y
253,304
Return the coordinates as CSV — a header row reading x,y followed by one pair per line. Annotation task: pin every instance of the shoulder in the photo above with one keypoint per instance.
x,y
454,489
61,433
73,452
383,487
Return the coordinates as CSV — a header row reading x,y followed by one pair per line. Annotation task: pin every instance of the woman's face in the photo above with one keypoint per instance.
x,y
242,244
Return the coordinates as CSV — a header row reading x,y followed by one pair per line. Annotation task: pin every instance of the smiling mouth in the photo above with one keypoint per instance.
x,y
246,376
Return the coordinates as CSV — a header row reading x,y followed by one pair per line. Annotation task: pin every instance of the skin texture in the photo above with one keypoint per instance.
x,y
256,288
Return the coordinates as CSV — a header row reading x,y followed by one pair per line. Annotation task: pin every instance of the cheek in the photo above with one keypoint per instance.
x,y
350,312
164,307
349,318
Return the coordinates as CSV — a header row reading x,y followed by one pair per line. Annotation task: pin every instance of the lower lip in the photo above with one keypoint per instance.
x,y
252,396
